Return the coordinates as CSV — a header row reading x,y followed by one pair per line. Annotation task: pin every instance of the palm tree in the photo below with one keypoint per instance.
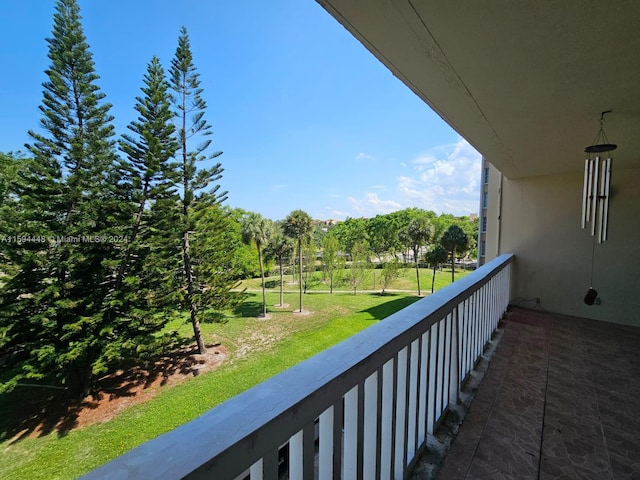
x,y
280,247
454,240
435,257
299,226
258,230
419,232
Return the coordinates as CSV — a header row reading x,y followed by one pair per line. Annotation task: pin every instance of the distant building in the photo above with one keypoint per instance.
x,y
490,210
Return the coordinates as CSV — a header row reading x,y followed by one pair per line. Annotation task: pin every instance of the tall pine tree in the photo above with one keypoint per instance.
x,y
132,307
71,197
198,187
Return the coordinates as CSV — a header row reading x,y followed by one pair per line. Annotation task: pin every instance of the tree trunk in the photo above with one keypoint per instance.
x,y
122,267
80,377
300,271
433,278
264,295
415,258
186,254
193,307
74,381
453,265
281,283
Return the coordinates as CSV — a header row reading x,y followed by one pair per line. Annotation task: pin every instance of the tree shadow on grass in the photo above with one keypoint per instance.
x,y
248,309
36,411
394,304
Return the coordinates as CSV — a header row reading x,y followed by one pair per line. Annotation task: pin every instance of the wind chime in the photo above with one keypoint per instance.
x,y
595,194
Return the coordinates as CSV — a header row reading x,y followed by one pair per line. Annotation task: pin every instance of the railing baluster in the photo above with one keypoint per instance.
x,y
507,282
255,472
296,458
473,306
325,447
488,327
350,455
462,316
454,377
412,411
387,423
494,308
433,374
441,366
400,413
360,431
503,281
483,318
488,320
338,438
496,297
483,330
447,361
467,336
379,420
423,388
370,427
476,325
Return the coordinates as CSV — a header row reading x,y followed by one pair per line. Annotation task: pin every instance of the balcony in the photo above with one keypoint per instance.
x,y
559,400
364,409
543,396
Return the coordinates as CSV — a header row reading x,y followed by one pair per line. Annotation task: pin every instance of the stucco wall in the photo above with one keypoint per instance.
x,y
541,225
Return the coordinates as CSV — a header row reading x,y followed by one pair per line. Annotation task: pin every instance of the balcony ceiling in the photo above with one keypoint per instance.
x,y
523,81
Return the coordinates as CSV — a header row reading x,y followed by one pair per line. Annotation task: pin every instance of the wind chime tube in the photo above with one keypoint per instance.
x,y
594,195
585,198
589,188
601,197
605,200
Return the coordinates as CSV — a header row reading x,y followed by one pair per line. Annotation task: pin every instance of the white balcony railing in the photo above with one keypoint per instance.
x,y
359,410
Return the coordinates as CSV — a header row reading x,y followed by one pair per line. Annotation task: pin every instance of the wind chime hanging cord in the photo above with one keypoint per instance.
x,y
593,254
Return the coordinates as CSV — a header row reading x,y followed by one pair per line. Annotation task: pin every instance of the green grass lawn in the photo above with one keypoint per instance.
x,y
260,349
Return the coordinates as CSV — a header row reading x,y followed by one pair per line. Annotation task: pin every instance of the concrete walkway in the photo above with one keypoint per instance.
x,y
560,399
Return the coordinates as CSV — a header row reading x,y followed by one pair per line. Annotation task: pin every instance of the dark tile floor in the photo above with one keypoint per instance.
x,y
560,399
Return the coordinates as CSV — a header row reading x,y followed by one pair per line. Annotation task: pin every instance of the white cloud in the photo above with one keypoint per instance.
x,y
424,159
444,180
364,156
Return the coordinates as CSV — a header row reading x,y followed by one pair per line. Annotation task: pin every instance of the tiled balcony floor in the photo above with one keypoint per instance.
x,y
560,399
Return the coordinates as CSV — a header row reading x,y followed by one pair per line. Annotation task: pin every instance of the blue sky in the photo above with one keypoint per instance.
x,y
306,117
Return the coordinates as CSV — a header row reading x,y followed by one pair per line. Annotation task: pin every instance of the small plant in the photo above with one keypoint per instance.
x,y
390,273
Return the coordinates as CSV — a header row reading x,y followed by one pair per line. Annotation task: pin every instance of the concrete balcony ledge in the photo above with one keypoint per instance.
x,y
363,409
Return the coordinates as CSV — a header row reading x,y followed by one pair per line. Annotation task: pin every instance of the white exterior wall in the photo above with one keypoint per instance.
x,y
493,213
541,226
